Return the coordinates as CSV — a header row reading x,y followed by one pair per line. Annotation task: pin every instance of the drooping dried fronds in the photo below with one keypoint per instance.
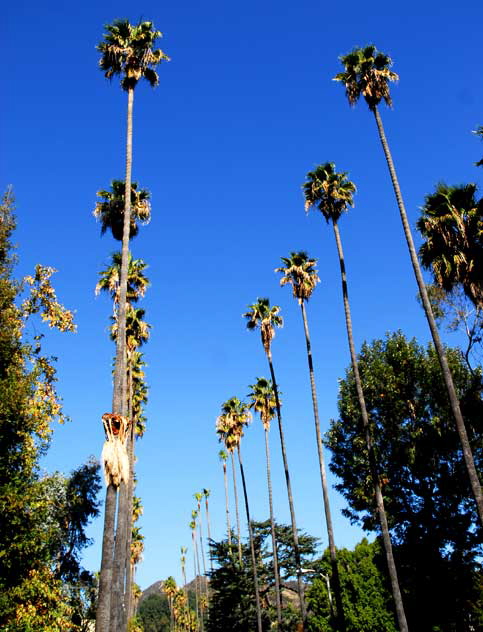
x,y
115,459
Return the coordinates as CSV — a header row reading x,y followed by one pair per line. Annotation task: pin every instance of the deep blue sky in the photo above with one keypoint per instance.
x,y
244,109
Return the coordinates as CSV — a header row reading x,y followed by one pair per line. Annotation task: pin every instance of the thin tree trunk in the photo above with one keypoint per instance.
x,y
201,540
278,594
252,546
295,535
118,622
448,378
130,492
209,531
236,509
105,578
228,526
196,581
323,477
199,582
386,538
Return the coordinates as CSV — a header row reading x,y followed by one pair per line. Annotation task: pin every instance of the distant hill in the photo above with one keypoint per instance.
x,y
157,587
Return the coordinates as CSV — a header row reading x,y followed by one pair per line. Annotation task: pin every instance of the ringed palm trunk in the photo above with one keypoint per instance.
x,y
386,538
252,546
300,587
110,606
228,526
278,596
323,477
130,492
448,378
236,509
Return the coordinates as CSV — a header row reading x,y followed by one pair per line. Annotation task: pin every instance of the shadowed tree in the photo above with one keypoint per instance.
x,y
331,193
262,316
262,401
137,282
126,51
109,209
451,223
235,415
367,73
299,272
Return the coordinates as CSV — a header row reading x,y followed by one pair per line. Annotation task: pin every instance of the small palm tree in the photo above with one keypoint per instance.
x,y
299,271
451,223
223,457
196,561
109,210
367,73
170,590
126,51
263,402
235,415
198,497
331,193
265,317
206,494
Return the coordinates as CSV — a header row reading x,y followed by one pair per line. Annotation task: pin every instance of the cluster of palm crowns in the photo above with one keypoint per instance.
x,y
127,51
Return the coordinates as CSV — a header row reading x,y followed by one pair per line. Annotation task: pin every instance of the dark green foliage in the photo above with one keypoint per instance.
x,y
232,602
154,613
426,489
366,599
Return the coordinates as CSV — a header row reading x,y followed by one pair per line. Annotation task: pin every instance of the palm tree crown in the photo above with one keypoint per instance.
x,y
109,209
367,72
299,270
329,191
263,400
452,224
137,282
235,415
127,50
261,315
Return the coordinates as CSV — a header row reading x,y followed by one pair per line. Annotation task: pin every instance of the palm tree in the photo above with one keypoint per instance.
x,y
299,271
198,496
262,316
223,457
170,589
235,415
367,73
109,209
184,550
451,222
225,437
196,559
137,282
206,493
263,402
331,193
126,51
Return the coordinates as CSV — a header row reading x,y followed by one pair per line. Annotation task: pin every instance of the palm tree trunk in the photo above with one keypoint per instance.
x,y
252,546
278,595
197,599
295,535
448,378
117,622
201,540
209,531
228,526
323,477
130,491
236,509
386,538
105,578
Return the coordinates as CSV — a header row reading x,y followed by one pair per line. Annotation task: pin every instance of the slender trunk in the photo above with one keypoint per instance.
x,y
295,535
199,581
252,546
118,622
236,509
209,532
130,492
110,573
105,578
228,526
323,478
386,538
278,596
196,581
448,378
201,540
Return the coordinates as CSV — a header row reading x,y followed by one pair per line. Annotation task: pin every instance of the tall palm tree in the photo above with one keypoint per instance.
x,y
226,438
451,222
332,194
299,271
262,316
367,73
127,51
198,587
223,457
263,402
184,550
198,497
170,589
109,209
137,281
235,415
206,494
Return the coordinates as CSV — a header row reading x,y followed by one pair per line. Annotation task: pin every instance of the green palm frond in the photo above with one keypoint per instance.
x,y
263,400
266,318
329,191
299,271
109,209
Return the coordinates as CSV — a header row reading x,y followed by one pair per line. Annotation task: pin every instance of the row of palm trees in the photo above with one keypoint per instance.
x,y
446,228
127,51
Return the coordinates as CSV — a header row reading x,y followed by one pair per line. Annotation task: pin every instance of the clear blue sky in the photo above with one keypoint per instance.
x,y
244,109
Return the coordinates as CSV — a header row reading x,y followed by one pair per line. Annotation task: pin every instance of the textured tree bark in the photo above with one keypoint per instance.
x,y
448,378
386,538
236,509
105,578
323,478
